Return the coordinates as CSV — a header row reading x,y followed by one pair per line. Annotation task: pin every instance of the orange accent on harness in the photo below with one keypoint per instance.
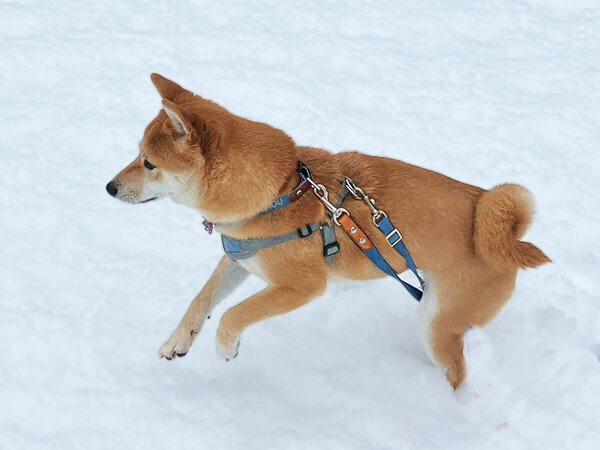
x,y
354,231
300,190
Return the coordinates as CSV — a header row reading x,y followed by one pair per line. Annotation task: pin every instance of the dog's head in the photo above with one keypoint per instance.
x,y
199,154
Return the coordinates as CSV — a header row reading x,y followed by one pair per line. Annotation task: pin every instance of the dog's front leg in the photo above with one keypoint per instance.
x,y
271,301
227,276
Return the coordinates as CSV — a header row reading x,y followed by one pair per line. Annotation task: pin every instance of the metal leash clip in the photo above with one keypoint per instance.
x,y
322,194
359,194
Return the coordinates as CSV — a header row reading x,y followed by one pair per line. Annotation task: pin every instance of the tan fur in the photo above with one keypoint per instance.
x,y
230,168
502,217
226,277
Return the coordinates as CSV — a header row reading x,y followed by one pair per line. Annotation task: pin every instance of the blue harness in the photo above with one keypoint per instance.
x,y
238,249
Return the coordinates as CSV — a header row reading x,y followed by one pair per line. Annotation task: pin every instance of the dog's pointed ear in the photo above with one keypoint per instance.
x,y
180,123
169,90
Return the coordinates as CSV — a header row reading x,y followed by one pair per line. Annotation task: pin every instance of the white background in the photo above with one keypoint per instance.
x,y
483,91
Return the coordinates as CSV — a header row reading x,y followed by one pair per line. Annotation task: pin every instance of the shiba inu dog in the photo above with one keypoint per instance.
x,y
464,239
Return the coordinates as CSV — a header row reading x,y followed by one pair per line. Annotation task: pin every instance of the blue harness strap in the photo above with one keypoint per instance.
x,y
377,259
394,239
288,198
238,249
362,241
392,236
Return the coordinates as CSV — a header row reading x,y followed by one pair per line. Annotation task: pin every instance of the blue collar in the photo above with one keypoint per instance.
x,y
280,201
294,194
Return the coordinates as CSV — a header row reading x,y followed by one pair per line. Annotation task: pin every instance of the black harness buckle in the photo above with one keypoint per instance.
x,y
331,249
304,231
303,170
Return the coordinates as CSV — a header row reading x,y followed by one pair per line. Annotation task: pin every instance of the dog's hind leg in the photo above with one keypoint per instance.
x,y
455,302
271,301
227,276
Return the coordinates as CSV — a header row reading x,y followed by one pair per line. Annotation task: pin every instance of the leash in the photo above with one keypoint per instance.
x,y
341,217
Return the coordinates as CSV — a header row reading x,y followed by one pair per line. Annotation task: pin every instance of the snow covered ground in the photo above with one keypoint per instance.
x,y
484,91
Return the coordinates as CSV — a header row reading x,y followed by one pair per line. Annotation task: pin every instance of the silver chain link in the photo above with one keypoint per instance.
x,y
359,194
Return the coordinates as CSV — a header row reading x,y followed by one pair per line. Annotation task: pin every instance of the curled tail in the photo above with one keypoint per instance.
x,y
502,216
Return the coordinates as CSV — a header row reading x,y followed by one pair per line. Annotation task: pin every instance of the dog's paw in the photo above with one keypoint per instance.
x,y
178,344
227,346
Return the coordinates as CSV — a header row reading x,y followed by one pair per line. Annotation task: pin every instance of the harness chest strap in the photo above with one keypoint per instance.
x,y
238,249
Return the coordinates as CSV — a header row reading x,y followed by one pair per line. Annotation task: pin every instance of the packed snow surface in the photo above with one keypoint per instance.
x,y
486,92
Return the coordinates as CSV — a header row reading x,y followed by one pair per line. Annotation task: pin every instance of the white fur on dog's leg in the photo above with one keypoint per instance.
x,y
428,309
228,350
178,343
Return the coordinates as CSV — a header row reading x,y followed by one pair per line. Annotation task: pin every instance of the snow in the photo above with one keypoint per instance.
x,y
485,92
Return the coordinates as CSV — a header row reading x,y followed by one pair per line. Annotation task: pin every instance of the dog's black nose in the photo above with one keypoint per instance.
x,y
112,189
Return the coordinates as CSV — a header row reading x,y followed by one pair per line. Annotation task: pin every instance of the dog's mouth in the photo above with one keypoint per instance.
x,y
149,200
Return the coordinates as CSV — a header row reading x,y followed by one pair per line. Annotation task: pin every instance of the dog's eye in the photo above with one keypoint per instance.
x,y
148,165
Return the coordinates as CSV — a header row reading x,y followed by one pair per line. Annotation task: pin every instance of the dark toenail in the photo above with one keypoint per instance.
x,y
208,317
181,354
166,357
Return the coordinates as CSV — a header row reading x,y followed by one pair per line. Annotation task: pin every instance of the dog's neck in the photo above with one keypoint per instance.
x,y
236,226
